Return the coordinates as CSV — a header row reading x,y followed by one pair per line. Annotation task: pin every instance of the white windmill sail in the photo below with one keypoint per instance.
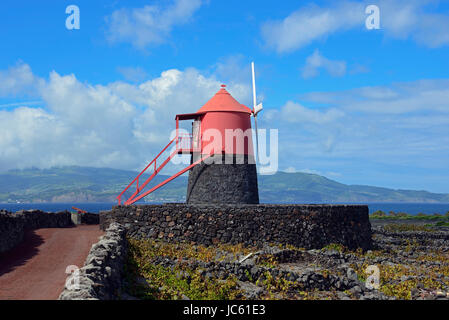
x,y
256,108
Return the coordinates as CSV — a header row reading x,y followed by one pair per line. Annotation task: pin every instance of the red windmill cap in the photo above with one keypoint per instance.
x,y
223,101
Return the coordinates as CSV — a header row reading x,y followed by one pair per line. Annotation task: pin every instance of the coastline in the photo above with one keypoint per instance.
x,y
96,207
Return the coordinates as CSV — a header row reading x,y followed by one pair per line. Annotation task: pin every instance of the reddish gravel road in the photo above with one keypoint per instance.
x,y
35,270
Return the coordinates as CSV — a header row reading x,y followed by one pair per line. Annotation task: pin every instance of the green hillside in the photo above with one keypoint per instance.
x,y
78,184
83,184
304,187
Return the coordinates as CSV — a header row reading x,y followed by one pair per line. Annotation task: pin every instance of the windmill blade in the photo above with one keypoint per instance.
x,y
256,108
254,86
257,137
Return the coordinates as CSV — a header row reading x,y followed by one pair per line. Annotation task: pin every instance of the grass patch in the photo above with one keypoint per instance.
x,y
147,280
442,224
381,215
406,227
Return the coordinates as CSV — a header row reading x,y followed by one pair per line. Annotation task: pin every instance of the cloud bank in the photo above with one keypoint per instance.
x,y
120,125
382,129
317,61
400,19
150,25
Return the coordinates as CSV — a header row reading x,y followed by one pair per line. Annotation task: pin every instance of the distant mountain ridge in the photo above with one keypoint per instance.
x,y
85,184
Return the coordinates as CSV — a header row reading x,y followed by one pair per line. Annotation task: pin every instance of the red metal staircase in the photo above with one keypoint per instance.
x,y
183,146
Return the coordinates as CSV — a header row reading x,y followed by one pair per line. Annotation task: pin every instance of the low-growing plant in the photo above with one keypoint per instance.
x,y
421,214
406,227
335,246
442,224
176,282
379,213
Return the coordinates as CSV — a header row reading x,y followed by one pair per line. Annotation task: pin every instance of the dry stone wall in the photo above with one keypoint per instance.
x,y
13,225
305,226
101,276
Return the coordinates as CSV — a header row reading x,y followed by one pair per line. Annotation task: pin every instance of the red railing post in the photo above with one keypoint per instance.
x,y
141,173
184,143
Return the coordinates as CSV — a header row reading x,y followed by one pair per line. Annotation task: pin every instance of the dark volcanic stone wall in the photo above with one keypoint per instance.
x,y
90,218
36,219
13,225
101,277
306,226
11,231
223,183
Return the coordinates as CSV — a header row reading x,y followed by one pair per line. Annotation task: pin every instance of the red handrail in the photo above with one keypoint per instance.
x,y
79,211
119,197
179,148
131,201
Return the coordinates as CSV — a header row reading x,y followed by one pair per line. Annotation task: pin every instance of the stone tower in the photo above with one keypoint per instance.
x,y
230,175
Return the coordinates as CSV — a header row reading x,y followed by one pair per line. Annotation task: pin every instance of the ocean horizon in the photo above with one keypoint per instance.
x,y
410,208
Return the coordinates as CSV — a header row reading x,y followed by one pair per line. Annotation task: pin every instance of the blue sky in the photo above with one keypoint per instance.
x,y
358,106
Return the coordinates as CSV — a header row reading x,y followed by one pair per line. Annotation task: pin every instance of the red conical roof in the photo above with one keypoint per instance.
x,y
223,101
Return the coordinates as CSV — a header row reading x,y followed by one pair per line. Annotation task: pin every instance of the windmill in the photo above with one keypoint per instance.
x,y
256,108
209,182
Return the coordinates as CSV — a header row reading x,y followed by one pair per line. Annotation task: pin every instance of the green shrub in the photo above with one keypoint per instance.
x,y
406,227
442,224
421,214
379,213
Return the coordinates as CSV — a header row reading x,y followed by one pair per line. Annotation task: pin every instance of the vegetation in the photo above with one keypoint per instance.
x,y
442,224
404,216
407,227
398,280
83,184
77,184
335,246
147,280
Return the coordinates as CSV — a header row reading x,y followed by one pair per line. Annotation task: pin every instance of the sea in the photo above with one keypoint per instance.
x,y
410,208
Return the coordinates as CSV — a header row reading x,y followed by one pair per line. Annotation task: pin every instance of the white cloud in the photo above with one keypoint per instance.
x,y
364,131
21,104
358,69
333,174
400,19
120,124
29,138
408,18
133,74
19,80
390,132
150,25
297,113
311,171
310,23
398,98
317,61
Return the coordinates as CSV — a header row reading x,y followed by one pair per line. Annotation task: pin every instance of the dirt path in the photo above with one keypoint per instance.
x,y
35,270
